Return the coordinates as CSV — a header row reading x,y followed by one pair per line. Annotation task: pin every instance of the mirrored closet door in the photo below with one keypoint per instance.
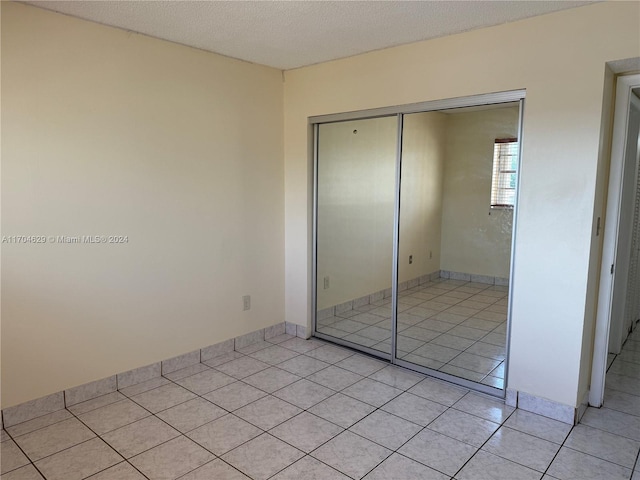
x,y
355,216
415,214
459,172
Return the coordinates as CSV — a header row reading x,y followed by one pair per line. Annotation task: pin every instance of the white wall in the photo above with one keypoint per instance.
x,y
108,132
563,72
423,166
475,238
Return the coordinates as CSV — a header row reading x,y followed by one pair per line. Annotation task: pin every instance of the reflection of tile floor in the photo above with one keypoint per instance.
x,y
291,409
453,326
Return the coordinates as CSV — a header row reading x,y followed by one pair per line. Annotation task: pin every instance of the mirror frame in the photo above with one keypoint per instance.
x,y
399,111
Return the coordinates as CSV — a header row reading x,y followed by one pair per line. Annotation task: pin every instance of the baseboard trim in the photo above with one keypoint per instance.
x,y
38,407
582,408
472,277
375,296
545,407
335,310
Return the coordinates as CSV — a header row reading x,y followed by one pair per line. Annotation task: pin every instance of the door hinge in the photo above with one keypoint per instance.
x,y
612,269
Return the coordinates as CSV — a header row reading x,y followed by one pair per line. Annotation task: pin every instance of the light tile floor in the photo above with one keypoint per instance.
x,y
295,409
454,326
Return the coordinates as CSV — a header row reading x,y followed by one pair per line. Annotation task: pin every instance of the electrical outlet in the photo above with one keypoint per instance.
x,y
410,259
246,302
326,282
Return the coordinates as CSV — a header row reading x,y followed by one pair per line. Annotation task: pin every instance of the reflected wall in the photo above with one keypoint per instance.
x,y
355,218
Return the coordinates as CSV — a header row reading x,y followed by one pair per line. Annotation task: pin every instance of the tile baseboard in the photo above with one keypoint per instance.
x,y
290,328
212,351
403,286
472,277
247,339
274,330
139,375
82,393
181,361
542,406
375,296
297,330
38,407
582,408
34,408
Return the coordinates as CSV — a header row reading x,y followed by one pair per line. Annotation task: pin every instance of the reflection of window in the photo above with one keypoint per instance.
x,y
505,173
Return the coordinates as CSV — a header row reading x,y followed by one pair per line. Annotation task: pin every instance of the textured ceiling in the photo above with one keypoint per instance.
x,y
290,34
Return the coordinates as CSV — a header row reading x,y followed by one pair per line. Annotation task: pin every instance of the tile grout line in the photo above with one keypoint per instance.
x,y
345,429
183,434
228,413
73,415
41,428
305,377
151,414
107,444
422,428
479,292
636,465
558,452
119,463
484,443
31,462
300,413
501,424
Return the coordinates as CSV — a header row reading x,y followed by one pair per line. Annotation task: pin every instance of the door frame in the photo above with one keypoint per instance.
x,y
624,85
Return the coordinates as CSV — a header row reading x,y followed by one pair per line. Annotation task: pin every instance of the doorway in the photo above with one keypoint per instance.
x,y
415,208
619,293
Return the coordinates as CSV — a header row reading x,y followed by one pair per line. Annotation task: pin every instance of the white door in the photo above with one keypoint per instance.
x,y
632,304
625,284
616,290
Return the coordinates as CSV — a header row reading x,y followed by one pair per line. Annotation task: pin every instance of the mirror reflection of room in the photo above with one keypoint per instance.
x,y
457,198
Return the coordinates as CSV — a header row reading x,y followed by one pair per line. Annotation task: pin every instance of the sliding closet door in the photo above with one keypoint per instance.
x,y
457,198
414,218
356,176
